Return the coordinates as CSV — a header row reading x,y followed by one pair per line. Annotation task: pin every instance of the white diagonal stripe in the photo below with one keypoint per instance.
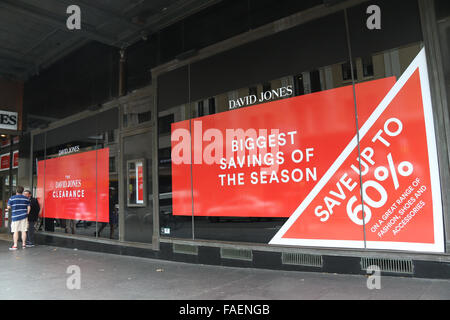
x,y
277,239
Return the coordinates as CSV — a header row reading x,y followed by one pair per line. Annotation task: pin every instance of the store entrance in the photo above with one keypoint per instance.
x,y
6,192
137,185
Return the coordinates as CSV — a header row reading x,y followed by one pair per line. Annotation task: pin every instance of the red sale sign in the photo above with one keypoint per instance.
x,y
4,161
140,183
75,186
302,158
254,161
398,168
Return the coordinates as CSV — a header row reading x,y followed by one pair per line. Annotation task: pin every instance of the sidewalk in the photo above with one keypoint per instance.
x,y
42,273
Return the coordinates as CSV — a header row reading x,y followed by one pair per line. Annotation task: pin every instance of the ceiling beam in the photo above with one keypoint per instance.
x,y
14,54
6,60
11,72
25,63
59,22
174,13
38,42
40,117
55,55
14,63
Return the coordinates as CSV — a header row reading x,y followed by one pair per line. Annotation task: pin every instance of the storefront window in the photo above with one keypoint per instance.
x,y
224,207
288,155
249,196
172,108
396,137
8,178
72,178
319,135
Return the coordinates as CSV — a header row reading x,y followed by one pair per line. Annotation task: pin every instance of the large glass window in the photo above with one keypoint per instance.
x,y
73,180
173,109
8,178
398,164
258,187
215,203
296,150
321,134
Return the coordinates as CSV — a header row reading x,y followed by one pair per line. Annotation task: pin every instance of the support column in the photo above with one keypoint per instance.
x,y
440,104
155,164
122,73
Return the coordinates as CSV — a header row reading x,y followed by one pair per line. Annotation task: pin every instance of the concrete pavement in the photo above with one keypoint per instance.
x,y
46,272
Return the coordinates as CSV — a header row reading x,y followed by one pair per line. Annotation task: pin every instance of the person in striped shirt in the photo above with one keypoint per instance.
x,y
19,206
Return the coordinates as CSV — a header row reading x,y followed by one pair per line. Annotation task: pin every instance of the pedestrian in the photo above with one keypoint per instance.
x,y
19,206
33,216
113,219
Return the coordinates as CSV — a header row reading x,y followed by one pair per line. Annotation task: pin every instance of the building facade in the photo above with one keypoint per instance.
x,y
311,138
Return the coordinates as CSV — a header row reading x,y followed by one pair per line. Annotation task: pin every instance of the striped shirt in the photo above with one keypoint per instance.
x,y
19,207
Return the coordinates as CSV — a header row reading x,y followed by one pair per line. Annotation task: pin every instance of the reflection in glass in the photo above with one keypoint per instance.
x,y
136,183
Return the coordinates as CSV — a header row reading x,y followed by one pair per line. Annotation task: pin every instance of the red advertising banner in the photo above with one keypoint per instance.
x,y
4,161
75,186
140,183
401,195
253,162
299,158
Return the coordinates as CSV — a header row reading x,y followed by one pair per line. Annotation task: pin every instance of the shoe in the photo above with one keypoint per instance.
x,y
23,247
13,248
30,245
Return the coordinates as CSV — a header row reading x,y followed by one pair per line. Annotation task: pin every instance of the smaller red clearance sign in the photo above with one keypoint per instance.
x,y
75,186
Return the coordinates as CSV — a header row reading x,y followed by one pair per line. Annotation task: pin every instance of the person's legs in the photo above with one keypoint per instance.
x,y
22,226
103,225
73,225
15,238
24,238
30,236
15,232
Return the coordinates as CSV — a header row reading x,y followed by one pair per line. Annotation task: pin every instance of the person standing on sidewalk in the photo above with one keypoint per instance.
x,y
19,206
33,216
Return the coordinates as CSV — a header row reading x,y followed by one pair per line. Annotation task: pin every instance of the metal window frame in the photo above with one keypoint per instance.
x,y
440,105
431,40
143,161
437,84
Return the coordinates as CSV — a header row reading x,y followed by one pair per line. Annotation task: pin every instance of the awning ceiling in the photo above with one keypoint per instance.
x,y
34,34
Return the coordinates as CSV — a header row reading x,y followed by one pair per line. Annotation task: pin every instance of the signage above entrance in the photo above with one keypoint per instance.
x,y
8,120
65,151
265,96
